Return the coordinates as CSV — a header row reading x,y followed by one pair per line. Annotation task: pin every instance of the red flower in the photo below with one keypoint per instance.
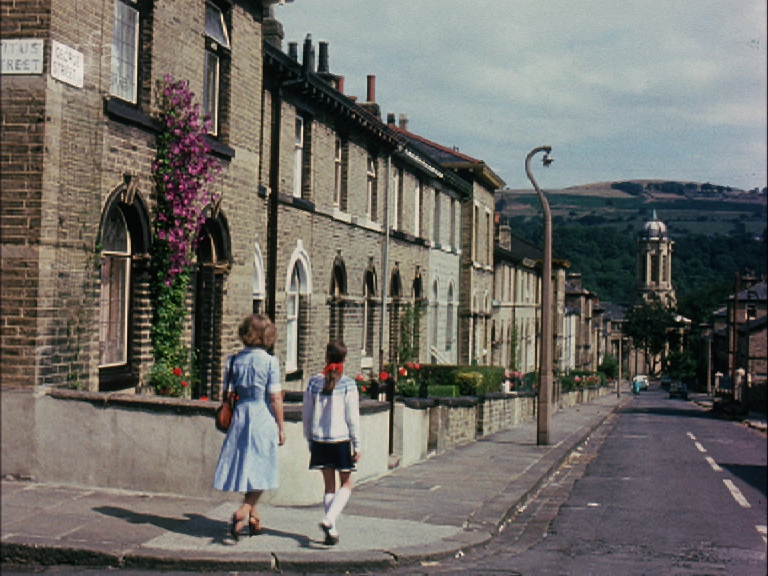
x,y
177,372
204,398
184,383
360,378
417,366
411,365
403,371
365,389
384,376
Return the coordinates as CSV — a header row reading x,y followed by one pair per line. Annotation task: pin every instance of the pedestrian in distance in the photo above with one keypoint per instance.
x,y
332,429
248,461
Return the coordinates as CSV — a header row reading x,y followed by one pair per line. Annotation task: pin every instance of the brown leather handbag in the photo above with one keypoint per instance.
x,y
227,407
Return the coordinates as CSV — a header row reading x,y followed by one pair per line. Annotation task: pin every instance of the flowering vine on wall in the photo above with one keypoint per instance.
x,y
183,171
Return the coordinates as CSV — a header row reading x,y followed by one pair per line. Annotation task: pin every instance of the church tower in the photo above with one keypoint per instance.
x,y
654,263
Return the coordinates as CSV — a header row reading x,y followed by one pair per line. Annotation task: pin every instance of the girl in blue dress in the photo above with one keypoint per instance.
x,y
248,461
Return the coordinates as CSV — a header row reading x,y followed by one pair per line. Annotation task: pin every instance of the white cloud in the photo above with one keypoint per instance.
x,y
641,88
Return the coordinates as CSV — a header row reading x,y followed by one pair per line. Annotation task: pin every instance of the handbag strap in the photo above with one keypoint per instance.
x,y
229,373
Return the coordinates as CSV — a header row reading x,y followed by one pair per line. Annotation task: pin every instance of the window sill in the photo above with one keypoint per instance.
x,y
299,203
366,362
343,216
218,149
126,113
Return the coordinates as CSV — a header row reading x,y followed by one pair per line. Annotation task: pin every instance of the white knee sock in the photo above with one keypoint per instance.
x,y
339,501
327,499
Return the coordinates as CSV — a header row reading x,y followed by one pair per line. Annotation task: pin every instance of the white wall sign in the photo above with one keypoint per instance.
x,y
67,64
22,56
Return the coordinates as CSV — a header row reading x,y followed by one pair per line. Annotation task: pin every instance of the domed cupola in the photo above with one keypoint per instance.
x,y
654,262
654,229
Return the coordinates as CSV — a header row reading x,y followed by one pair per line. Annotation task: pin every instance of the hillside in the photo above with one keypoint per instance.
x,y
686,207
717,232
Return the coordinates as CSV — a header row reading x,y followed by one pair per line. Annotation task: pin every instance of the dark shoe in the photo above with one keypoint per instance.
x,y
234,529
331,536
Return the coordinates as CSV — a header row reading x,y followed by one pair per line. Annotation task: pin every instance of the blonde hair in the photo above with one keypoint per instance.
x,y
257,330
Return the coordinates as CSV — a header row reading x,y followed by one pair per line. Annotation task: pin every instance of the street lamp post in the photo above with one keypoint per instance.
x,y
544,417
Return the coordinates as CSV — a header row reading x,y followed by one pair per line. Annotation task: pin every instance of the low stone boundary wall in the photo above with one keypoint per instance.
x,y
157,444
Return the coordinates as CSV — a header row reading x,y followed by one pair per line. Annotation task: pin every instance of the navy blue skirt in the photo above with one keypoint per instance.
x,y
337,455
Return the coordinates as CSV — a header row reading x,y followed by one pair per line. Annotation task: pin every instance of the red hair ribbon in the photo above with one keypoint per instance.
x,y
337,367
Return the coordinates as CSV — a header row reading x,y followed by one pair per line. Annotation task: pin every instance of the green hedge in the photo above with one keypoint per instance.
x,y
470,380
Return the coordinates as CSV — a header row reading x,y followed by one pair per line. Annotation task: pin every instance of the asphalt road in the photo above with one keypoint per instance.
x,y
663,488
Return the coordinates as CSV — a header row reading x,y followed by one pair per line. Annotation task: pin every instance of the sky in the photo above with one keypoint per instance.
x,y
631,89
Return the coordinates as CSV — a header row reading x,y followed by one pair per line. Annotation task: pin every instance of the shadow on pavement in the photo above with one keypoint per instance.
x,y
755,476
684,411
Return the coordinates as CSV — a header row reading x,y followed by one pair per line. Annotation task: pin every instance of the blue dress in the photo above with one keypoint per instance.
x,y
248,459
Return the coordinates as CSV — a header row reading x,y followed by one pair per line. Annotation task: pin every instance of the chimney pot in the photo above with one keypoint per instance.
x,y
404,122
307,55
322,65
371,88
293,50
340,86
390,118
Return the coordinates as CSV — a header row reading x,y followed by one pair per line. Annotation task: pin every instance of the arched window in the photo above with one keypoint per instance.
x,y
338,292
449,335
124,296
292,320
115,290
395,315
298,286
369,316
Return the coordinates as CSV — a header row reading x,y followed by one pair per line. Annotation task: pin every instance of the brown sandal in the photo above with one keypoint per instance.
x,y
254,525
237,524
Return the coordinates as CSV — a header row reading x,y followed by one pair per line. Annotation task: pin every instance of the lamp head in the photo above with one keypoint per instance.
x,y
547,160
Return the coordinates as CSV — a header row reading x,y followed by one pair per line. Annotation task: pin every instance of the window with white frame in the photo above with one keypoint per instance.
x,y
476,233
453,222
435,313
125,51
488,238
418,198
371,189
337,172
292,320
257,289
115,286
449,319
396,199
298,157
217,49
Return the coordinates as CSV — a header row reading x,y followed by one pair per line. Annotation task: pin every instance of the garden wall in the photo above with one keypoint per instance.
x,y
170,445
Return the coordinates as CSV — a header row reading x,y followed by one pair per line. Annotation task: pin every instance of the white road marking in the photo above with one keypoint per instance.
x,y
736,493
699,447
691,436
763,530
714,465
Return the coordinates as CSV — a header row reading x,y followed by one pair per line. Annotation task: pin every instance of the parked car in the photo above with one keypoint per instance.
x,y
678,388
666,380
641,380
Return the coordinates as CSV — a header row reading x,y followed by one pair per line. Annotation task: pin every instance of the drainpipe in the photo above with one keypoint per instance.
x,y
274,184
385,266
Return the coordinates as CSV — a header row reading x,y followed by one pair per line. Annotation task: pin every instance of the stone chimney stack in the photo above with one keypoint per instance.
x,y
308,57
271,28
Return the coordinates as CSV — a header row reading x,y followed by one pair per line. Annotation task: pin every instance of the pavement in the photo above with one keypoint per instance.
x,y
434,509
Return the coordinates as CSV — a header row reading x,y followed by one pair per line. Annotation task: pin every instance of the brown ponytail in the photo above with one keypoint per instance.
x,y
335,354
